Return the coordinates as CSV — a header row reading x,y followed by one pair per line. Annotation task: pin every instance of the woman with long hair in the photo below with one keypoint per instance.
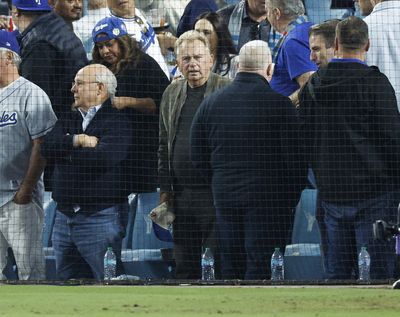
x,y
140,85
215,29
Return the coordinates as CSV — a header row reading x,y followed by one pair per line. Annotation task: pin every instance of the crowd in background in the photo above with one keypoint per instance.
x,y
228,108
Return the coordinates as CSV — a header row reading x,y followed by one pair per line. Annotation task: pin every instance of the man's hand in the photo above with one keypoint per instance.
x,y
23,197
166,197
121,102
4,22
84,140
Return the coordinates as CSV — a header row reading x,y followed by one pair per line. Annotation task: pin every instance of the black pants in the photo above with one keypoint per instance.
x,y
194,228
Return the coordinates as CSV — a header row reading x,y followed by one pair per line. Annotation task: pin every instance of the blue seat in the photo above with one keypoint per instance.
x,y
48,224
145,257
304,258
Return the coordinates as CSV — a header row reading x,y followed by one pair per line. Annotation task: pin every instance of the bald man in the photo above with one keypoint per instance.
x,y
244,141
89,147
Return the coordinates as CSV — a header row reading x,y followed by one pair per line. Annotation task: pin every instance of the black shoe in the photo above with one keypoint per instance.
x,y
396,285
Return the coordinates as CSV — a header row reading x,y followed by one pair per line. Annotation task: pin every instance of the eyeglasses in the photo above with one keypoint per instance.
x,y
81,83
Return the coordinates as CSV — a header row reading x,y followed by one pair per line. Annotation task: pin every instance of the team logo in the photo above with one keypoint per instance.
x,y
100,27
116,31
8,119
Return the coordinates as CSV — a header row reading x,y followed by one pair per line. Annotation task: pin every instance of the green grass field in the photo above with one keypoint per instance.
x,y
40,300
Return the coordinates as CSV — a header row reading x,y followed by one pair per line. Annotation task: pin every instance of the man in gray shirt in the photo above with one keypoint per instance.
x,y
26,116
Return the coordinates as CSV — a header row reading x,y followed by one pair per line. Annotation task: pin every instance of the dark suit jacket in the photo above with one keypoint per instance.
x,y
92,178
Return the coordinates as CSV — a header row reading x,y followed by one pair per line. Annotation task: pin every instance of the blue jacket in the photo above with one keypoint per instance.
x,y
245,141
93,178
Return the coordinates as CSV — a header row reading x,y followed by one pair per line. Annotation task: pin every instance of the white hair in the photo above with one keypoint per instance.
x,y
106,77
254,55
16,60
191,36
288,8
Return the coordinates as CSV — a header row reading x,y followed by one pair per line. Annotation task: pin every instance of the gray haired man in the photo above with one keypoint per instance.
x,y
26,116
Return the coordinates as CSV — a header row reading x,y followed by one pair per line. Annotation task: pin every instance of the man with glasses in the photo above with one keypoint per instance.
x,y
89,147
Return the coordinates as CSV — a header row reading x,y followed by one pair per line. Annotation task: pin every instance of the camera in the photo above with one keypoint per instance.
x,y
384,231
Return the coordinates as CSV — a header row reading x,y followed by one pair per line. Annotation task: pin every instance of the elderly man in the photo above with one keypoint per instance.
x,y
322,42
246,21
384,33
352,131
69,10
89,148
25,117
179,181
292,54
233,135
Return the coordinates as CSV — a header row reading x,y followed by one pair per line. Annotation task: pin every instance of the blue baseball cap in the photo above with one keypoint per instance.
x,y
32,5
162,233
108,28
9,41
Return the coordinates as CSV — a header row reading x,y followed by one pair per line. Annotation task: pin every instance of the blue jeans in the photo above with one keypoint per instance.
x,y
349,227
81,240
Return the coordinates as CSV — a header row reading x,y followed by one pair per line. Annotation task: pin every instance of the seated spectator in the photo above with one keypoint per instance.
x,y
89,147
292,55
83,28
141,83
214,28
26,116
69,10
192,11
173,10
322,42
247,21
139,29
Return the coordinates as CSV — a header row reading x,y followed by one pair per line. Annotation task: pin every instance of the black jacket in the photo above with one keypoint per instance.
x,y
352,130
51,56
144,80
245,141
92,178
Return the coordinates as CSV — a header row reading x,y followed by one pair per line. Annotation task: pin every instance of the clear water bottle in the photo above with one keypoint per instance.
x,y
110,264
364,265
207,265
277,266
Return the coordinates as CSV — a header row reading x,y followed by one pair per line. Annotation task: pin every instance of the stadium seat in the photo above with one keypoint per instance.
x,y
49,217
145,258
304,258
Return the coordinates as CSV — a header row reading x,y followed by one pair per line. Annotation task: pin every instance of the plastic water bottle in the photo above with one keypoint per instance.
x,y
277,266
364,264
207,265
110,264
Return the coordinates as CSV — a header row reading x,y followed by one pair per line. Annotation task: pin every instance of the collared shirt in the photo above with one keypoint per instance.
x,y
253,30
384,33
293,59
347,60
89,115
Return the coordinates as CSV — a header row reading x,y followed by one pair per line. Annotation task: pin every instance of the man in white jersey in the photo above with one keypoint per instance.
x,y
26,115
139,29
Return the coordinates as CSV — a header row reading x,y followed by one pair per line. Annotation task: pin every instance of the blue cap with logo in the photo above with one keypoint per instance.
x,y
108,28
32,5
9,41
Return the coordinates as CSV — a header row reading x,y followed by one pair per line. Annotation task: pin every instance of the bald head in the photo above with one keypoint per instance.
x,y
254,56
93,85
